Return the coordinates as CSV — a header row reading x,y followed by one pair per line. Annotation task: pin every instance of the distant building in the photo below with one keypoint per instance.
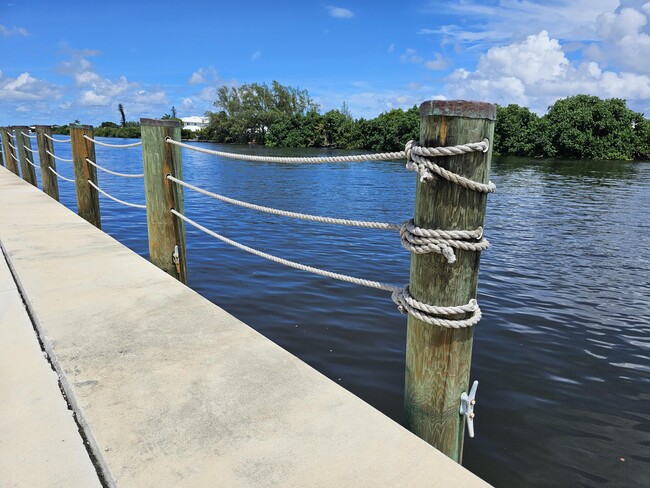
x,y
195,122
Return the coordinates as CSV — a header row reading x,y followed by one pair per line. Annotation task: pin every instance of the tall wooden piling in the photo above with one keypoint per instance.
x,y
87,196
45,150
438,359
23,147
10,155
166,232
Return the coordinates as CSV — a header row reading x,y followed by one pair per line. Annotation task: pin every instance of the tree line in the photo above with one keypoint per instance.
x,y
577,127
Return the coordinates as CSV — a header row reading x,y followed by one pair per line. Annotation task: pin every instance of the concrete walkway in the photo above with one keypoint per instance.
x,y
172,391
40,445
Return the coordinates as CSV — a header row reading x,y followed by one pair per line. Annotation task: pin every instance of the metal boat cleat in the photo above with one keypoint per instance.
x,y
467,403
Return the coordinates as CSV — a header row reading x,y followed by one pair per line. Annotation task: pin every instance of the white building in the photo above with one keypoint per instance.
x,y
194,122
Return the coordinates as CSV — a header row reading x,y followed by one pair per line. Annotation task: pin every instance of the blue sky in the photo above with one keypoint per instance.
x,y
66,60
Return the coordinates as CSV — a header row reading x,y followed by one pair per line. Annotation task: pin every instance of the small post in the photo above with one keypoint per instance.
x,y
166,232
438,359
87,196
23,146
10,154
45,148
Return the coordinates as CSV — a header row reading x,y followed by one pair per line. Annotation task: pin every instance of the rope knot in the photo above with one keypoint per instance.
x,y
430,314
422,241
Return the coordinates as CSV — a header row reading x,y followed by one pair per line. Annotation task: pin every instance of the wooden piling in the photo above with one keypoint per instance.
x,y
10,155
23,147
166,232
45,148
438,359
87,196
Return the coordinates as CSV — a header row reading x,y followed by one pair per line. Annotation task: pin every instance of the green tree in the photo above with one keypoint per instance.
x,y
515,131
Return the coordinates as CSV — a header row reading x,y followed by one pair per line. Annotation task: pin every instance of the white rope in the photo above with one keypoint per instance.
x,y
56,140
427,313
400,294
112,145
31,136
292,264
11,145
285,213
134,205
60,158
417,160
14,156
30,149
421,241
60,176
124,175
35,166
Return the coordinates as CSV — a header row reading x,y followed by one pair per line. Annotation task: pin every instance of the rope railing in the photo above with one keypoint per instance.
x,y
60,176
286,213
399,294
35,165
30,150
111,197
59,158
95,141
56,140
106,170
31,136
11,145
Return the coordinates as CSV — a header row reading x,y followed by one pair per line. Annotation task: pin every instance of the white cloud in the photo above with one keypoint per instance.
x,y
91,98
339,12
438,63
411,56
203,76
536,72
256,55
391,48
25,87
13,31
625,39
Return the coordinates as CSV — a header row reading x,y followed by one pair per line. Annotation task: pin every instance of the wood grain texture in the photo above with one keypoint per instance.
x,y
438,359
87,196
164,229
9,153
22,141
49,179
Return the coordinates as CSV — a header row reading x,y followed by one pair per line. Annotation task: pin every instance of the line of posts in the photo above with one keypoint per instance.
x,y
437,359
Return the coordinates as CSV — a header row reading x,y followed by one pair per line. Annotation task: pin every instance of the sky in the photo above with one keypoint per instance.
x,y
64,61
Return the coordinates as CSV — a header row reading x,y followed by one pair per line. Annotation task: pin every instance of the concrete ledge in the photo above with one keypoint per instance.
x,y
173,391
40,444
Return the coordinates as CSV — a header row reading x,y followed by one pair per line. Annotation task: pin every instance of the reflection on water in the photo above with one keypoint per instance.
x,y
563,351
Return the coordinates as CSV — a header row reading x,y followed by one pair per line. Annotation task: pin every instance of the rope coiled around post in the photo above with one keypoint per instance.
x,y
94,141
106,170
418,159
421,241
429,313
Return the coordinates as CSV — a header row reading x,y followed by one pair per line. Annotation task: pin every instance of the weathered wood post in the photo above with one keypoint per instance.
x,y
45,149
437,358
166,232
10,154
87,196
23,147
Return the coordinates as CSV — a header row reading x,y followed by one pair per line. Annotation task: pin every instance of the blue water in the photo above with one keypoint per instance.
x,y
562,353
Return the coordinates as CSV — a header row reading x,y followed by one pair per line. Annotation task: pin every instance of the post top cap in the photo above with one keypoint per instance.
x,y
459,108
160,123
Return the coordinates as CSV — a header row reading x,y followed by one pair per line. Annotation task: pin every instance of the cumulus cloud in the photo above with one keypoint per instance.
x,y
256,55
13,31
411,56
437,63
339,12
25,87
536,72
625,39
203,76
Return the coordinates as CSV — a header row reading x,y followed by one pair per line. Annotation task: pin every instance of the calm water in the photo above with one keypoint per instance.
x,y
563,351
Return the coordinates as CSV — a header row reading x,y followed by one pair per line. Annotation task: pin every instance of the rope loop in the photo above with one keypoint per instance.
x,y
56,140
429,314
422,241
418,159
94,141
